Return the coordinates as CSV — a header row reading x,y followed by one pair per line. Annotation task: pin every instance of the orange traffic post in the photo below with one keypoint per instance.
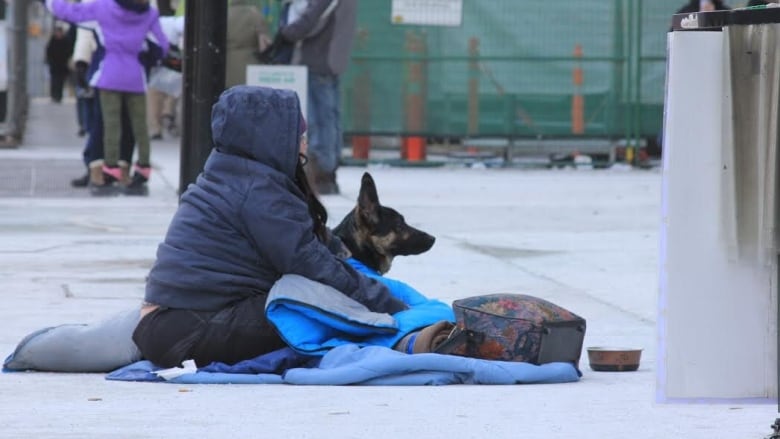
x,y
577,100
413,146
361,146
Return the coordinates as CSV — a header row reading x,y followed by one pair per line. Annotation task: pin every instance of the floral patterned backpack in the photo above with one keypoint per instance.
x,y
515,327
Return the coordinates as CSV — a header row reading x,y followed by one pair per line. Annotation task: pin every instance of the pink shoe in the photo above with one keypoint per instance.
x,y
113,172
145,171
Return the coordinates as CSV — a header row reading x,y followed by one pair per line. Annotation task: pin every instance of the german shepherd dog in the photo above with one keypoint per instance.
x,y
375,234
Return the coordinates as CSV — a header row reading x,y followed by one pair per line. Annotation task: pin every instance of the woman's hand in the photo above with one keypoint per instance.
x,y
380,299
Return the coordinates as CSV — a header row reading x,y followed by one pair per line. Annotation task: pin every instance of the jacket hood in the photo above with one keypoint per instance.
x,y
259,123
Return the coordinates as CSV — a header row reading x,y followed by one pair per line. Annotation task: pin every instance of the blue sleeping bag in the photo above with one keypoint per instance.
x,y
313,318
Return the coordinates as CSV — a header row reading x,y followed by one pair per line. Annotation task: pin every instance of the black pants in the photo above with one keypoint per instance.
x,y
167,336
57,85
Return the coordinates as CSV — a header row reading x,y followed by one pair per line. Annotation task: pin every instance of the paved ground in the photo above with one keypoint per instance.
x,y
587,240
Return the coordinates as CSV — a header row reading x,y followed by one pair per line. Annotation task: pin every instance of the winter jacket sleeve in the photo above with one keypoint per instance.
x,y
85,45
73,12
159,35
283,235
307,22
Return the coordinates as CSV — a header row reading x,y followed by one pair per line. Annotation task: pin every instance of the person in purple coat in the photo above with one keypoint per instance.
x,y
121,78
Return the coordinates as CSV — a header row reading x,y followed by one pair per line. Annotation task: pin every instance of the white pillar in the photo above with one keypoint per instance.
x,y
717,311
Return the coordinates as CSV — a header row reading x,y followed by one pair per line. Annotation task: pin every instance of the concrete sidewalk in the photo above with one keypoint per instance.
x,y
587,240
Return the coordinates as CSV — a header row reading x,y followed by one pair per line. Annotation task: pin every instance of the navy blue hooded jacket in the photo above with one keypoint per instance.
x,y
244,222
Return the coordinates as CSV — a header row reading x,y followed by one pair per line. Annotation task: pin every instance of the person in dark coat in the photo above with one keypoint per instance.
x,y
703,6
249,218
325,30
59,49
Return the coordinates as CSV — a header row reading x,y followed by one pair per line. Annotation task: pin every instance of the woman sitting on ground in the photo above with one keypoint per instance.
x,y
250,218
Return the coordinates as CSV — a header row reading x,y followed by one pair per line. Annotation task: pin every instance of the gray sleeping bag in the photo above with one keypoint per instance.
x,y
97,347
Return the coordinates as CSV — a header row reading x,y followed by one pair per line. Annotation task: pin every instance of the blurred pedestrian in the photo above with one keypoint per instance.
x,y
166,7
247,34
165,85
702,6
83,50
325,30
121,79
59,49
87,55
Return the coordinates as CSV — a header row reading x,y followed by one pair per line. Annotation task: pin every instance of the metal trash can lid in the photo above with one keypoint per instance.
x,y
716,20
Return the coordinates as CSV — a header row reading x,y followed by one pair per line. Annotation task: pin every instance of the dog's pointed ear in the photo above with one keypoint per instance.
x,y
368,201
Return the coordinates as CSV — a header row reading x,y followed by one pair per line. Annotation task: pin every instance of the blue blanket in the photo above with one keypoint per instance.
x,y
334,340
313,318
352,364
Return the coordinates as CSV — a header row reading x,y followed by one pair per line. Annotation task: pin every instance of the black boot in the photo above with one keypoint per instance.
x,y
82,181
137,185
104,181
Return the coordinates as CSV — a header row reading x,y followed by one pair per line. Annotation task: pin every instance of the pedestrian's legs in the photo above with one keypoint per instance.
x,y
126,139
169,114
154,100
111,103
82,117
93,150
88,110
57,84
136,108
101,177
322,121
169,106
324,133
92,153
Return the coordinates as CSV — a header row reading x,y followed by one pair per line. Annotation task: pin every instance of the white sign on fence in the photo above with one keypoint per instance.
x,y
427,12
286,77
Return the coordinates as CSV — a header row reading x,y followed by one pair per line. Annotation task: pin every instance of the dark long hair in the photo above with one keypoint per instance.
x,y
317,211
